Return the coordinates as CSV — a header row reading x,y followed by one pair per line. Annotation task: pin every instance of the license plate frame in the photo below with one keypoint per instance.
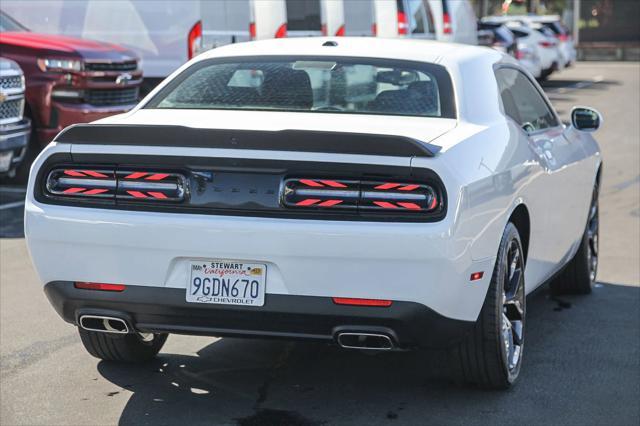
x,y
226,282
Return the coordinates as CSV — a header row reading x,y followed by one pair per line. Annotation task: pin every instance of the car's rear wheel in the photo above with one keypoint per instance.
x,y
579,275
491,355
132,347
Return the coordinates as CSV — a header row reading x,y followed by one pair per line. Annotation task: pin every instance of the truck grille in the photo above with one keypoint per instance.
x,y
111,66
11,82
11,109
112,96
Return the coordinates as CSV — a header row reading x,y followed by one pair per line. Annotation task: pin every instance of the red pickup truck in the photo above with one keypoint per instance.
x,y
68,80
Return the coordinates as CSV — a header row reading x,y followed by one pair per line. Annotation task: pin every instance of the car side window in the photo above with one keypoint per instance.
x,y
523,102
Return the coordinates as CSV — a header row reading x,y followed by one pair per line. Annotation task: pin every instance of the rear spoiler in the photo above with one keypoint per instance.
x,y
282,140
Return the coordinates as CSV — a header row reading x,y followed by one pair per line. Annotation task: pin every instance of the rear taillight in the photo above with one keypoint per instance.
x,y
91,183
110,184
403,24
340,32
366,196
194,40
563,37
374,29
150,186
446,23
252,30
282,31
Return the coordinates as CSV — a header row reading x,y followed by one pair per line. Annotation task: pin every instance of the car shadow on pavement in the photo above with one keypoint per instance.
x,y
582,352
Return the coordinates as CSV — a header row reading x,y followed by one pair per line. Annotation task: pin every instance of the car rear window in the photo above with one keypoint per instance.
x,y
336,85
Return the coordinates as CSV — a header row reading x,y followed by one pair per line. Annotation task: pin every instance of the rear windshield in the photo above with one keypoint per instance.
x,y
356,86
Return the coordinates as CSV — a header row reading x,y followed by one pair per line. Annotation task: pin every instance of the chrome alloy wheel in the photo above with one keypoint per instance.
x,y
513,307
592,237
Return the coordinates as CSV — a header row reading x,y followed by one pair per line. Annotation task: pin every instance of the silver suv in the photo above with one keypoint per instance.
x,y
14,128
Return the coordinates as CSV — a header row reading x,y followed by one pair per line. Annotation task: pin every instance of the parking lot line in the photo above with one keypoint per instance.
x,y
11,205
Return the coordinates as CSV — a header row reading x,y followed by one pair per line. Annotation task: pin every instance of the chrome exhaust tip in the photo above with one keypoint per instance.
x,y
365,341
103,324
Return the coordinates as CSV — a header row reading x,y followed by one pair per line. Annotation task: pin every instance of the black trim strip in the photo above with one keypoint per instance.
x,y
283,140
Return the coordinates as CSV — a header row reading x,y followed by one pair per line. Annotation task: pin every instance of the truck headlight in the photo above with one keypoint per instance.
x,y
55,64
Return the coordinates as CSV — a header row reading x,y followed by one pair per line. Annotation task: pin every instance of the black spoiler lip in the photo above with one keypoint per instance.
x,y
281,140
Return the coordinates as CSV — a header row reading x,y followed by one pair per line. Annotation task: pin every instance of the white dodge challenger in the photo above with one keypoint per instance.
x,y
379,194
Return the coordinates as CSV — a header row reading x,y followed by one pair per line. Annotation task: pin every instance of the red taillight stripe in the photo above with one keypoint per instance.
x,y
157,195
136,175
157,176
73,190
95,191
329,203
99,286
307,202
74,173
388,186
385,205
361,302
137,194
333,184
94,173
310,182
410,206
409,188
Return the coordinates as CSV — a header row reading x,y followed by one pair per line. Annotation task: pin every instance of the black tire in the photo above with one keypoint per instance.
x,y
122,347
579,275
483,358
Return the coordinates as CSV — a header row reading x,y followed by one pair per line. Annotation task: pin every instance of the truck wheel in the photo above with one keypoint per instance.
x,y
579,275
491,355
133,347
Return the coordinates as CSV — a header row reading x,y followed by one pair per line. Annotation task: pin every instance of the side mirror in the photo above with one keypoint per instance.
x,y
586,119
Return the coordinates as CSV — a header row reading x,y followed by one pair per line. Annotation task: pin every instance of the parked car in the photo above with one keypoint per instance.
x,y
164,34
532,40
14,128
499,37
68,80
238,201
560,31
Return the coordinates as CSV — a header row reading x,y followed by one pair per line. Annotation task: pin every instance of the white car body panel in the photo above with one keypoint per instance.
x,y
487,164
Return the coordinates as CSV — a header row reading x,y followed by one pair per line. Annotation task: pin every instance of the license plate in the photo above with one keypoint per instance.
x,y
225,282
5,160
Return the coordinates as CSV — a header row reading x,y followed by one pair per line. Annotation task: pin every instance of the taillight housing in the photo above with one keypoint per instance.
x,y
446,23
365,196
101,183
403,24
281,31
194,40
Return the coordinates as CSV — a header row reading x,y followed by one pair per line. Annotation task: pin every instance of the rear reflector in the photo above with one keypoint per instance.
x,y
361,302
476,276
99,286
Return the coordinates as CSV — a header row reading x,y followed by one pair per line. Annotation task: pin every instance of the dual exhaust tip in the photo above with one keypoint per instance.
x,y
346,339
365,341
104,324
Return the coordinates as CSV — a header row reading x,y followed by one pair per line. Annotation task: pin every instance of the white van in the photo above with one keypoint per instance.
x,y
445,20
165,34
234,21
306,18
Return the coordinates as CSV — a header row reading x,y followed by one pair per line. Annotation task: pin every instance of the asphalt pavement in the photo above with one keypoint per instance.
x,y
581,362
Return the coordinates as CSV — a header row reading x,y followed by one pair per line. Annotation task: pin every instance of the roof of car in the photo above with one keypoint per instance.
x,y
369,47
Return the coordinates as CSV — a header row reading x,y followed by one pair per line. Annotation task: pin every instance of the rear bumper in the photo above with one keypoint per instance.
x,y
287,317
